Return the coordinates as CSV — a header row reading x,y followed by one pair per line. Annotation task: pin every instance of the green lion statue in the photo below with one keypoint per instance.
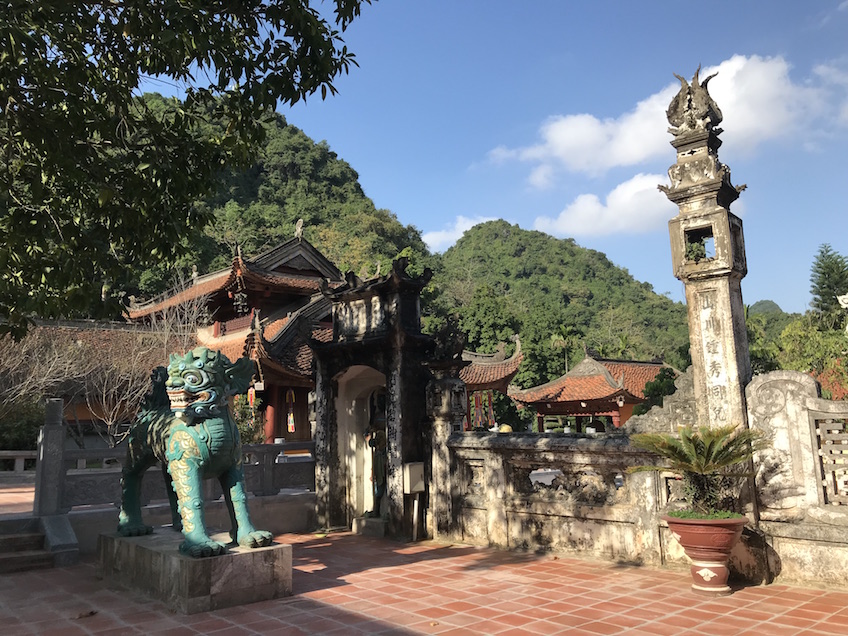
x,y
186,424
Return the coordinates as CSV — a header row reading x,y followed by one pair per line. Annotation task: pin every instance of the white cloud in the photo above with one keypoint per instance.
x,y
843,6
836,78
760,102
441,240
757,97
634,206
584,143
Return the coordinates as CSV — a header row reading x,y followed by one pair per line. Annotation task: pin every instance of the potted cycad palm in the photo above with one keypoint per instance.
x,y
705,458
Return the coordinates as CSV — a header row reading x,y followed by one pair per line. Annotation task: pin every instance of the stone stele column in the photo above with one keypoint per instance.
x,y
708,255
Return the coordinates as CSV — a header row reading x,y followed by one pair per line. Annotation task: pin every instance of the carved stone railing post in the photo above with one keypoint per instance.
x,y
50,467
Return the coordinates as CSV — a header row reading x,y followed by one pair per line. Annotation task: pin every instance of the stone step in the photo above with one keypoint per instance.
x,y
25,560
21,542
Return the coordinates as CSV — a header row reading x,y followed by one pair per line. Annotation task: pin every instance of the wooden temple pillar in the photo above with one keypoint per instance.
x,y
271,415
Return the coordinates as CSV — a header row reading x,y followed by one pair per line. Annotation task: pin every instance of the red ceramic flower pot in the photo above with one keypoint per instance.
x,y
708,543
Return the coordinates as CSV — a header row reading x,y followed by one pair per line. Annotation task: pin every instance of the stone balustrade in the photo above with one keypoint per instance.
x,y
19,461
73,478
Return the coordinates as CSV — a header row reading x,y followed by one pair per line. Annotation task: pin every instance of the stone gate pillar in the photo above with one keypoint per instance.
x,y
446,403
708,255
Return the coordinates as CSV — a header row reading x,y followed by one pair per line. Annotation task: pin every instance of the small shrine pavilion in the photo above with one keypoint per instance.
x,y
597,392
487,373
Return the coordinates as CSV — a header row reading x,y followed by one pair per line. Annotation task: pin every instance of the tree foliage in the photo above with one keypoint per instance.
x,y
828,279
807,346
655,390
500,279
249,419
257,207
92,180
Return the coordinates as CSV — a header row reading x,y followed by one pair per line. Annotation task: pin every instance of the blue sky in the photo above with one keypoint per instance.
x,y
550,114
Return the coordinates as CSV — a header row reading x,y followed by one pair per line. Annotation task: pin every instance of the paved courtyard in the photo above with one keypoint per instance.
x,y
347,584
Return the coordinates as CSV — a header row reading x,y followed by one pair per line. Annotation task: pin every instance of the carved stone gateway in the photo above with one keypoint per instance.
x,y
370,377
708,255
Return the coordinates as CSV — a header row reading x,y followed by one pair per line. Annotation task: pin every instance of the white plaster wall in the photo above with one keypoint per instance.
x,y
355,386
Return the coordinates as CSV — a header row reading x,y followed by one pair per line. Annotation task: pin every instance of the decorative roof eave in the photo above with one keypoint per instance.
x,y
244,272
282,253
615,374
249,274
200,286
396,280
491,371
284,373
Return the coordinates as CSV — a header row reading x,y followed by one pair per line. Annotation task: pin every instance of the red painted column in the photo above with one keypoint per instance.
x,y
271,408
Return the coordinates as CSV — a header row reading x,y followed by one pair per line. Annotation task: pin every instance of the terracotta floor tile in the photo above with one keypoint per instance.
x,y
603,627
829,628
773,630
792,621
520,631
352,586
569,620
808,614
669,628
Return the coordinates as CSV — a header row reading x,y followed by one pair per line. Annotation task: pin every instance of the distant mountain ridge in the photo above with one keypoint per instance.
x,y
560,297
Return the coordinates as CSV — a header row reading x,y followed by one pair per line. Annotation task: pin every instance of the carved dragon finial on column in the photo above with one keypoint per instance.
x,y
692,109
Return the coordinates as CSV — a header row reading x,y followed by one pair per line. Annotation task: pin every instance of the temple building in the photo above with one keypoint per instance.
x,y
267,308
595,394
271,309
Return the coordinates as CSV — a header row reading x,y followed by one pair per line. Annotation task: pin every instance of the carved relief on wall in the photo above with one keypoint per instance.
x,y
474,473
781,494
583,485
689,173
361,317
832,446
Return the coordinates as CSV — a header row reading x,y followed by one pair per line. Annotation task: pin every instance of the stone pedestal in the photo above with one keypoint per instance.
x,y
368,527
153,565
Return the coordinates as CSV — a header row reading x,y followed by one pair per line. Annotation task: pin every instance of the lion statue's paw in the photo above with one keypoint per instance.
x,y
255,539
202,548
134,529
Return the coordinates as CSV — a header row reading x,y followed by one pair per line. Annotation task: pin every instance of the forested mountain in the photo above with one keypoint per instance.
x,y
560,297
293,178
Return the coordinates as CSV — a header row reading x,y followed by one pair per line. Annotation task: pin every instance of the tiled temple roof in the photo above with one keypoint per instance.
x,y
490,371
593,379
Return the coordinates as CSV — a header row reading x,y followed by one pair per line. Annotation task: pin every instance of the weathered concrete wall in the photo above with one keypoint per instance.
x,y
564,492
573,493
801,480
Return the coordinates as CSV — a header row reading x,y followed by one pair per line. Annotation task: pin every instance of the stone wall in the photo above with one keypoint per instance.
x,y
563,492
573,492
802,479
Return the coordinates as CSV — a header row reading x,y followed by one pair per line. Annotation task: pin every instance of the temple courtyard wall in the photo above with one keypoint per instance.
x,y
573,493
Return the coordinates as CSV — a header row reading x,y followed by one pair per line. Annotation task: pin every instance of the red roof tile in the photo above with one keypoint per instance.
x,y
480,376
593,380
208,284
636,374
273,328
